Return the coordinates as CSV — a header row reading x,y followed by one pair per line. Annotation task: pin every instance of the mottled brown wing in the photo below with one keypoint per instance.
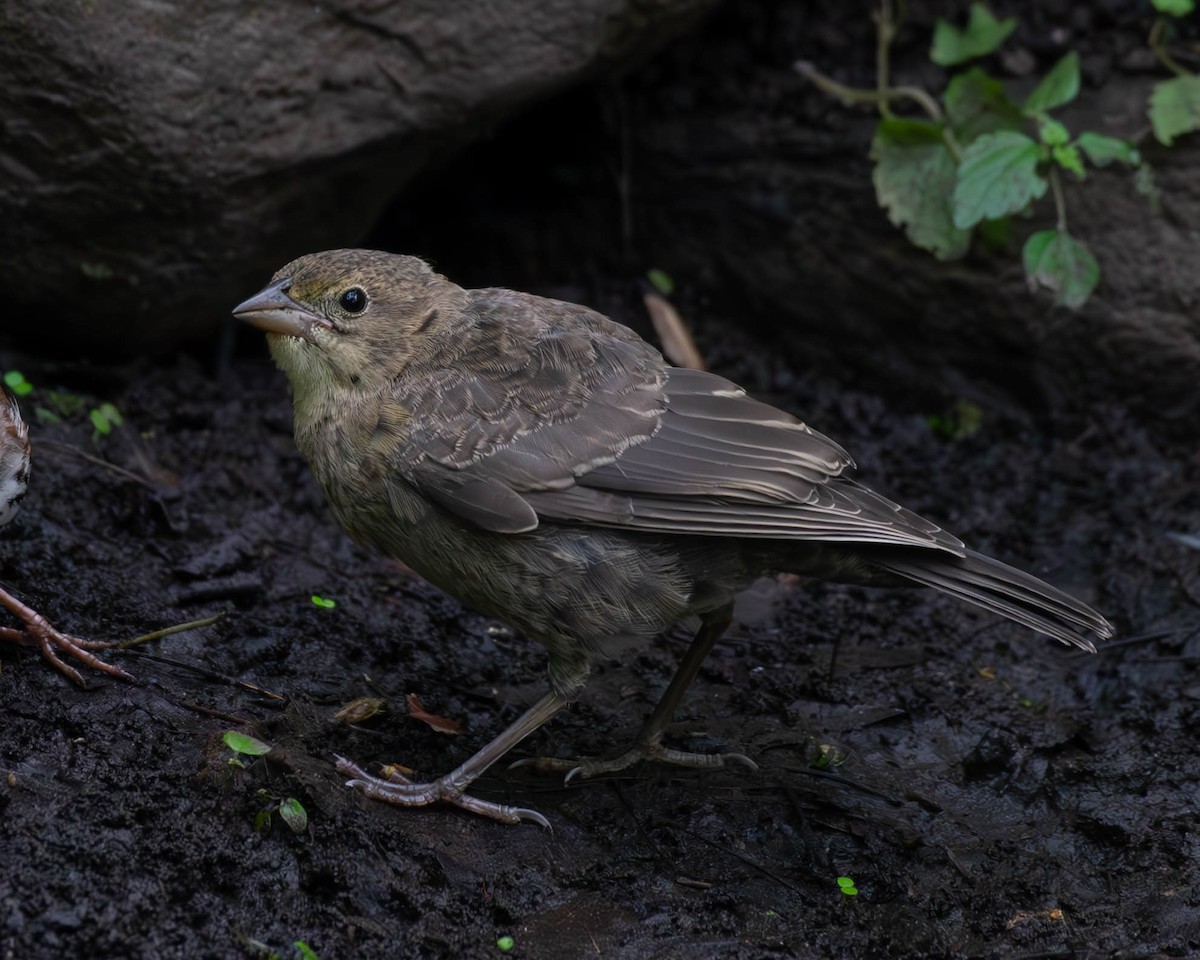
x,y
539,393
552,411
723,464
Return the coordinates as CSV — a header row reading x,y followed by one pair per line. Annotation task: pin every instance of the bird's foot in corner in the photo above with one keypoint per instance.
x,y
588,767
55,645
401,791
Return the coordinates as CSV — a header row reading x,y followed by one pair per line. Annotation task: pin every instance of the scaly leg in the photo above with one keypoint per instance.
x,y
648,744
54,644
450,788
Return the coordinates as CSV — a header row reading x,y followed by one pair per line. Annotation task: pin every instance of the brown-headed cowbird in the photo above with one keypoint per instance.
x,y
546,466
14,478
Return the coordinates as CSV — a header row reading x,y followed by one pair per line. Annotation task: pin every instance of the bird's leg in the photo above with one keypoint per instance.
x,y
450,788
53,644
648,744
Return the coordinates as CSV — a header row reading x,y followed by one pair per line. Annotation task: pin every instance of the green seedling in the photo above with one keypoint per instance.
x,y
323,602
16,382
105,418
243,745
846,885
505,944
291,811
963,419
661,281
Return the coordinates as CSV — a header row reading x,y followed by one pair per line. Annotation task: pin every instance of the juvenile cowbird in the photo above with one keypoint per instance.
x,y
14,478
544,465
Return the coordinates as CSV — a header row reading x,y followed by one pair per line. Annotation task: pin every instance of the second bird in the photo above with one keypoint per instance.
x,y
546,466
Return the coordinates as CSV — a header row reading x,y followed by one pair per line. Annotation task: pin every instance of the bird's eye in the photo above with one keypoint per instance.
x,y
353,300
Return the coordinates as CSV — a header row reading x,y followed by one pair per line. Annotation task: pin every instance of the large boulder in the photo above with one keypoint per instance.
x,y
161,159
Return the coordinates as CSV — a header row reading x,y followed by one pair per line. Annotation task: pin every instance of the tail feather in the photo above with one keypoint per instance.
x,y
1005,590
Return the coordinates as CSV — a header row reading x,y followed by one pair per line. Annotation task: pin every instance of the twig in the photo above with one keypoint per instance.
x,y
55,447
167,631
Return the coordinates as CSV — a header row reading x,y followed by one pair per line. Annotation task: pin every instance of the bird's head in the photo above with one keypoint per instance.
x,y
344,318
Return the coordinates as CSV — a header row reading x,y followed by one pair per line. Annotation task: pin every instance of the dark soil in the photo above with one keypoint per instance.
x,y
991,794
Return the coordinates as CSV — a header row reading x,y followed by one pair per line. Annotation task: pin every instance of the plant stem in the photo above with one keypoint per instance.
x,y
1158,43
1060,205
853,95
886,29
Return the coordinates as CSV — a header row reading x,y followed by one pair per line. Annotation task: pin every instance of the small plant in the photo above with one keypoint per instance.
x,y
323,602
980,158
846,885
1174,107
302,950
291,811
243,745
661,281
16,382
963,419
505,944
104,419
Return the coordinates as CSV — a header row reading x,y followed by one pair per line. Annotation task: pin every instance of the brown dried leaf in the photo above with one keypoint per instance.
x,y
359,710
440,724
677,343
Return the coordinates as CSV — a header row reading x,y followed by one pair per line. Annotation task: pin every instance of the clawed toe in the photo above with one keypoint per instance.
x,y
55,646
398,789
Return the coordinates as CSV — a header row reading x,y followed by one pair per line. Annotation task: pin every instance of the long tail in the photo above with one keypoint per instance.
x,y
1005,590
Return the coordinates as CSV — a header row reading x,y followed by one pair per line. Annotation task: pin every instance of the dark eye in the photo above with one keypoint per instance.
x,y
353,300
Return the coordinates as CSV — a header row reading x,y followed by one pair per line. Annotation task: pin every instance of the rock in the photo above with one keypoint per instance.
x,y
161,160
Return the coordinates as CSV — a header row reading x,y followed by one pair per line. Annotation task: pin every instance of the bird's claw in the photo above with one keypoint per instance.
x,y
399,790
54,646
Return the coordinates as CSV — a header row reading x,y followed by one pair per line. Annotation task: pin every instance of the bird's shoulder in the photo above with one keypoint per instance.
x,y
525,365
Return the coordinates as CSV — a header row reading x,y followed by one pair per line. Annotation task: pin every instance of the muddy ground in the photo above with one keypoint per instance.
x,y
991,794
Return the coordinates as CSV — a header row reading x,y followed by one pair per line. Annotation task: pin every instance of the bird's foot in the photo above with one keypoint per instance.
x,y
403,792
55,645
587,767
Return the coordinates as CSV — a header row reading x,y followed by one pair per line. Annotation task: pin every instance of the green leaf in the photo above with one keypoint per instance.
x,y
1174,8
661,280
1053,133
977,104
245,744
1069,159
998,176
1056,261
1175,108
1102,150
306,952
914,179
323,602
505,944
984,33
262,821
15,381
1059,86
294,815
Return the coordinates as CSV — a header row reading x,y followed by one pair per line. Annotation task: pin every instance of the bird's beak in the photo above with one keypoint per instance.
x,y
272,310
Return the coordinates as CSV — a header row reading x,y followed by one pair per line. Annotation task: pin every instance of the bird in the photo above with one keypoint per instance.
x,y
15,460
545,465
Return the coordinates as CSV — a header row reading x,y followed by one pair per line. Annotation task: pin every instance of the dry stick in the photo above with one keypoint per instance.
x,y
55,447
167,631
